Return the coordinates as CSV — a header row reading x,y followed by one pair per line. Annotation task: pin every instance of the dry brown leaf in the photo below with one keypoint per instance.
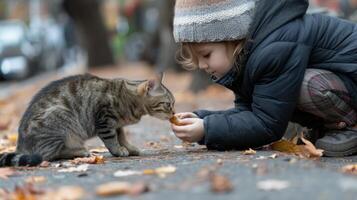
x,y
311,149
119,188
308,150
64,193
285,146
161,171
220,184
25,192
6,172
350,169
96,159
249,152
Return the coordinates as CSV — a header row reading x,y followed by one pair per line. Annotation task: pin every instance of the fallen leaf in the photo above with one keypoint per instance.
x,y
25,192
6,172
308,150
311,149
249,152
35,179
220,184
285,146
64,193
79,168
269,185
273,156
119,188
350,169
96,159
161,171
122,173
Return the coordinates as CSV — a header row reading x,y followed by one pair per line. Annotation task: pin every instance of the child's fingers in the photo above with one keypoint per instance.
x,y
182,136
187,121
186,115
181,129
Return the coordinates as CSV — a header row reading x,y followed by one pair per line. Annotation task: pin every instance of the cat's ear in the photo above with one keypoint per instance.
x,y
143,88
147,86
159,76
152,86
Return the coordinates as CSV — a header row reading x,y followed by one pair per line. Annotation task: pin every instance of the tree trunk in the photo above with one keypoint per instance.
x,y
92,31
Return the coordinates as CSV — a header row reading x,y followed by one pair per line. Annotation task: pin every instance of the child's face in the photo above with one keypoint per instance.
x,y
213,58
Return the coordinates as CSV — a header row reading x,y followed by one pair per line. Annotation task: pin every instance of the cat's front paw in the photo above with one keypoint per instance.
x,y
121,152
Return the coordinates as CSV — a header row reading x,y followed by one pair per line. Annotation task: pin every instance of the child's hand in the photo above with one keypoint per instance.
x,y
190,128
184,115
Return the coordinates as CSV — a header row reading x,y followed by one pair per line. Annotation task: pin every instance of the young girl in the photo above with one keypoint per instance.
x,y
282,65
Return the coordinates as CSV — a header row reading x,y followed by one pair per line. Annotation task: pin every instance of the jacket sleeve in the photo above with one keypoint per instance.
x,y
239,105
276,73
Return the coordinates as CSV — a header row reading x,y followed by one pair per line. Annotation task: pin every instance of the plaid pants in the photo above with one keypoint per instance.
x,y
324,94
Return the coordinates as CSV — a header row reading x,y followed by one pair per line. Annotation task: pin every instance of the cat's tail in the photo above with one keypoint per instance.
x,y
18,159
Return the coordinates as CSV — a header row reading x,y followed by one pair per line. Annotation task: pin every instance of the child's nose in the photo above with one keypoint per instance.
x,y
202,65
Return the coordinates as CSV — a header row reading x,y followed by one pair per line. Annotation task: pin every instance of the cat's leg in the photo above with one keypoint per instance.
x,y
133,151
106,130
67,153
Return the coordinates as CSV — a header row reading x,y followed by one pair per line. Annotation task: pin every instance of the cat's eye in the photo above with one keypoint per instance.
x,y
167,104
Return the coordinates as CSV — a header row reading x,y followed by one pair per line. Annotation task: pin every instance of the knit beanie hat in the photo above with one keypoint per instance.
x,y
212,20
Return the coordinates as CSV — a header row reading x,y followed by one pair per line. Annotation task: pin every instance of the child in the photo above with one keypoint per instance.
x,y
282,64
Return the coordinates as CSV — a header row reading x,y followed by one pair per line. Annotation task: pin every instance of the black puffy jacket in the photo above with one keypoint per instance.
x,y
283,42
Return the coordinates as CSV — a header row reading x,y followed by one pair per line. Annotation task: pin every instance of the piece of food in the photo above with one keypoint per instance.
x,y
175,120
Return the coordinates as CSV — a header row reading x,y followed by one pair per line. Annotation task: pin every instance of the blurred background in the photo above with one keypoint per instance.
x,y
44,40
38,36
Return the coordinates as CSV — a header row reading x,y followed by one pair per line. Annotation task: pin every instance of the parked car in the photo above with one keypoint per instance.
x,y
17,55
28,51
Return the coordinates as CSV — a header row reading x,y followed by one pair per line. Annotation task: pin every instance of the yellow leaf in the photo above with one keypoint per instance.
x,y
285,146
308,150
119,188
249,152
311,149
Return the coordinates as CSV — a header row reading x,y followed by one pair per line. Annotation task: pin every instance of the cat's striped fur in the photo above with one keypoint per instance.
x,y
67,112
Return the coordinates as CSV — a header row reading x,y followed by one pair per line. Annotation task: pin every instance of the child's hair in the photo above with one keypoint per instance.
x,y
187,57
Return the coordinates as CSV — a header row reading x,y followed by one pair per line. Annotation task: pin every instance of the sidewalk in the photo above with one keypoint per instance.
x,y
191,172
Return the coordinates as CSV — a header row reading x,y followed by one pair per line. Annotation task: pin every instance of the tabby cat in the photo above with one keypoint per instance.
x,y
67,112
